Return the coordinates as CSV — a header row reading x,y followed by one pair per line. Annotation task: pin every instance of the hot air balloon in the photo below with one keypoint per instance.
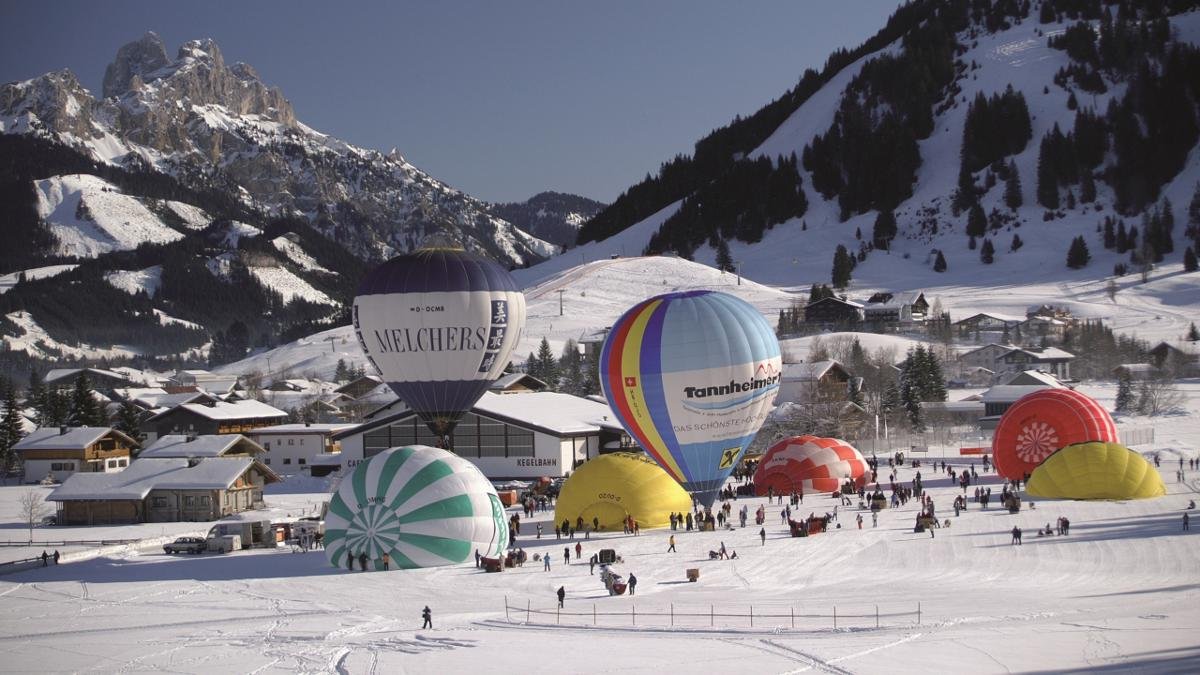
x,y
439,325
692,376
1042,422
619,484
422,506
810,464
1096,471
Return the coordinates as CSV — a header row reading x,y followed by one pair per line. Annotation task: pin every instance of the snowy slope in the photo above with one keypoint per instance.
x,y
194,217
794,257
7,281
90,216
295,253
1118,594
35,341
132,281
290,286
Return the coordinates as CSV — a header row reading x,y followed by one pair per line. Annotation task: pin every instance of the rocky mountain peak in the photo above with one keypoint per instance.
x,y
136,59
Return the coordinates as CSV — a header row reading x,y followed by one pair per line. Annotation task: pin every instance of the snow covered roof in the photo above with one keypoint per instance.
x,y
75,438
506,381
550,412
806,372
1047,354
222,410
323,429
144,475
213,445
64,374
1009,393
989,315
1035,377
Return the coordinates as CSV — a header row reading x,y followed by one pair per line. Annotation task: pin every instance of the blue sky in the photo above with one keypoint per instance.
x,y
499,99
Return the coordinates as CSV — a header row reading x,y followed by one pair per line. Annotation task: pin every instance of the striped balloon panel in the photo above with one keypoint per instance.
x,y
692,376
422,506
1041,423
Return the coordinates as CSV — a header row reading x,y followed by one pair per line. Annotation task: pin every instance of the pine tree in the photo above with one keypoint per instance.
x,y
842,266
85,410
724,258
1087,188
939,264
1078,255
340,374
1125,395
1016,243
547,365
1110,237
129,420
1047,179
1122,240
570,367
987,252
1193,335
1193,222
1012,187
10,427
976,221
884,230
1189,260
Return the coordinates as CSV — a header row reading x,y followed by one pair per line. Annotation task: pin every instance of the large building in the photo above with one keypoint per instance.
x,y
187,446
292,448
59,452
164,490
515,436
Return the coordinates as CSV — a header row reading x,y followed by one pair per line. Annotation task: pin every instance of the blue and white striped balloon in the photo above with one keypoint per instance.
x,y
422,506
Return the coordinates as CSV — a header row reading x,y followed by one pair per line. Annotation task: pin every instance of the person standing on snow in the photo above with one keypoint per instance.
x,y
859,520
632,584
427,614
762,534
546,565
578,550
562,593
671,548
592,564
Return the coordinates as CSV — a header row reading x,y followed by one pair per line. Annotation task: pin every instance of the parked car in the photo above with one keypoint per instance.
x,y
186,545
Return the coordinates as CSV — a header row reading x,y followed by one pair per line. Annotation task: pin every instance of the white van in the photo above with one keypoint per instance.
x,y
224,543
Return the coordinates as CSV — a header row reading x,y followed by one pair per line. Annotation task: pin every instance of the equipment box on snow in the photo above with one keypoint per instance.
x,y
608,556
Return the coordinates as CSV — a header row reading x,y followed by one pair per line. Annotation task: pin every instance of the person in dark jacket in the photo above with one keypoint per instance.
x,y
632,584
762,534
427,614
350,561
45,558
55,556
362,561
562,593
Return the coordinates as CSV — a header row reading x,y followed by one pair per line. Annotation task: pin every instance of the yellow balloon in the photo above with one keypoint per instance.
x,y
1096,470
619,484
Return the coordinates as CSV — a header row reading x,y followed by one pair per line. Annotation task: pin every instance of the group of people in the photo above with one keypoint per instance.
x,y
46,557
362,558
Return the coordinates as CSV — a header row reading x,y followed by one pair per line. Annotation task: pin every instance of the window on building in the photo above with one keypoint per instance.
x,y
159,502
291,441
287,460
267,461
122,462
302,461
301,441
204,501
189,501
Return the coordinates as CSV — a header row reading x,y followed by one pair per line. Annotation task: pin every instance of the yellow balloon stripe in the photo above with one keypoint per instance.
x,y
631,384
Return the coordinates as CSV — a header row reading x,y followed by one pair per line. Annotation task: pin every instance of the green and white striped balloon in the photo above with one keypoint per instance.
x,y
422,506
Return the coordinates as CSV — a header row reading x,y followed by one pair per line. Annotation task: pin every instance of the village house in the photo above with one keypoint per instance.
x,y
895,308
1181,357
360,386
507,437
1000,398
291,448
1052,360
100,379
59,452
164,490
808,382
206,418
833,312
981,324
516,383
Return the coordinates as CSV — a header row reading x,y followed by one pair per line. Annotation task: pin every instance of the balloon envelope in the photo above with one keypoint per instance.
x,y
422,506
1040,423
692,376
439,326
619,484
1096,471
809,464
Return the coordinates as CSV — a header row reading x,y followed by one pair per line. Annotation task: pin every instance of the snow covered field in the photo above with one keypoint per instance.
x,y
1118,594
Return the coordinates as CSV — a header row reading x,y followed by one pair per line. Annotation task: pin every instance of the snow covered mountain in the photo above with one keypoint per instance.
x,y
896,127
552,216
218,126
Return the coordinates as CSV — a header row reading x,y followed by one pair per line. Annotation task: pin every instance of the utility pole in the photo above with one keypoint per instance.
x,y
560,300
738,265
331,339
